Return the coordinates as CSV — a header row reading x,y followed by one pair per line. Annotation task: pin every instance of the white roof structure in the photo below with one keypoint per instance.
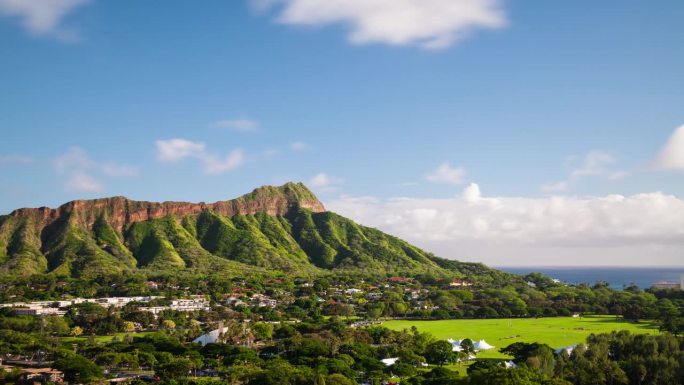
x,y
211,337
510,365
470,358
568,349
482,345
390,361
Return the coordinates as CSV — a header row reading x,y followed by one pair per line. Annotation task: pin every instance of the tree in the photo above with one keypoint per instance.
x,y
439,353
375,312
78,369
168,324
467,346
129,327
338,379
175,369
262,331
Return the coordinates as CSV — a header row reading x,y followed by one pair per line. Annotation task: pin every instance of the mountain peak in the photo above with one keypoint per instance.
x,y
295,193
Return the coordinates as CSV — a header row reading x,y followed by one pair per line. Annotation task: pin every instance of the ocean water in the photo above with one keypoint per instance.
x,y
617,277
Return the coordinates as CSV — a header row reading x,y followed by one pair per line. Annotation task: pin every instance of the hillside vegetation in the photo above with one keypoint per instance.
x,y
281,228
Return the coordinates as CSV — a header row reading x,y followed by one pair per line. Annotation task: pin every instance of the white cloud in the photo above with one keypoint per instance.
x,y
15,159
242,125
82,182
595,163
74,159
513,230
429,24
324,182
216,165
42,17
555,187
79,171
176,149
472,193
299,146
113,169
271,152
671,157
173,150
447,174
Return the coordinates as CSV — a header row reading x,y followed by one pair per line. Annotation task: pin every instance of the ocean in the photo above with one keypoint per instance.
x,y
617,277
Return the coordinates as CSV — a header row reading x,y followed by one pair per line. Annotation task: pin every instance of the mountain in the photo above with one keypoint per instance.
x,y
283,228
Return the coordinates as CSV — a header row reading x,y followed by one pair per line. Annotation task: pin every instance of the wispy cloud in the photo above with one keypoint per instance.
x,y
595,163
82,174
299,146
671,156
428,24
15,159
241,125
43,17
173,150
325,183
445,173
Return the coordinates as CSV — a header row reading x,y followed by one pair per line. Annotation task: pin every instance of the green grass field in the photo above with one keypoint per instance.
x,y
556,332
102,339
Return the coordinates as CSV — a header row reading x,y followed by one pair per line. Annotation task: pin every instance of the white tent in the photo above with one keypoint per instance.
x,y
482,345
455,345
510,365
390,361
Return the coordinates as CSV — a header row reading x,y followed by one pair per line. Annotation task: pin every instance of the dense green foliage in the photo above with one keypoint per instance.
x,y
328,351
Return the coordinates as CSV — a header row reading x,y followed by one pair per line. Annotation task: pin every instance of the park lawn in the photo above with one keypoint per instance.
x,y
556,332
101,339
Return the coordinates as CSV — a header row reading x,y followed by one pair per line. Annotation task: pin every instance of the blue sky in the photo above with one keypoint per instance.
x,y
528,102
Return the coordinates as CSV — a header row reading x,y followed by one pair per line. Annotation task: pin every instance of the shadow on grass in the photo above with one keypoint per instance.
x,y
651,325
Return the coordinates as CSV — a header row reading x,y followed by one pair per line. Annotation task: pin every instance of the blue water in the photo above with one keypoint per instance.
x,y
617,277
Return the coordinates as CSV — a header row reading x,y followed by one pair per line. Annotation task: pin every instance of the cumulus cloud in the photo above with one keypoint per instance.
x,y
81,173
472,193
671,156
523,230
595,163
429,24
447,174
173,150
241,125
42,17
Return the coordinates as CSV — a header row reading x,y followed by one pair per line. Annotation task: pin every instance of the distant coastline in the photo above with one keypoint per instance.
x,y
616,276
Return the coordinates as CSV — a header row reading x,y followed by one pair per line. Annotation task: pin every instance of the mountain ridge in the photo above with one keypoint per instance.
x,y
273,228
270,199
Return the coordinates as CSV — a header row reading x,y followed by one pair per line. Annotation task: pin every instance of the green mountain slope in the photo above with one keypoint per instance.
x,y
281,228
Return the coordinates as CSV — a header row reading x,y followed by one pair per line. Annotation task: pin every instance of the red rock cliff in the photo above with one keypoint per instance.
x,y
121,211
